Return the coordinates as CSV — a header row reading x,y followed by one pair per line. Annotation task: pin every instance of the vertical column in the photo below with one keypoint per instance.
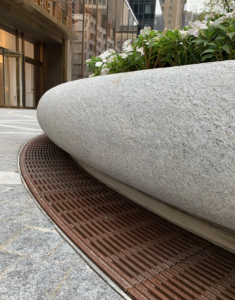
x,y
64,61
128,25
38,72
83,39
115,27
107,25
17,69
23,77
96,26
123,8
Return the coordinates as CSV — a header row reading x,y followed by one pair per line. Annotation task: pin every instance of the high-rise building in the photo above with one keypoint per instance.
x,y
148,13
173,12
44,43
101,27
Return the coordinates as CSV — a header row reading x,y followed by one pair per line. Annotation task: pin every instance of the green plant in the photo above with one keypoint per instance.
x,y
207,41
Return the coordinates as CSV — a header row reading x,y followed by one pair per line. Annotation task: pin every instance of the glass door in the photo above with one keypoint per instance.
x,y
30,85
11,78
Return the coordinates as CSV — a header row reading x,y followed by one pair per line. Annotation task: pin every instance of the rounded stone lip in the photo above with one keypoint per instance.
x,y
168,132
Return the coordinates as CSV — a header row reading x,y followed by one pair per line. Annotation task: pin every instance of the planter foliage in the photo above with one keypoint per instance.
x,y
213,39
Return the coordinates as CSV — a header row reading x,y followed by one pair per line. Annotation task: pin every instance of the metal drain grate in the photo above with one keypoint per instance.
x,y
147,256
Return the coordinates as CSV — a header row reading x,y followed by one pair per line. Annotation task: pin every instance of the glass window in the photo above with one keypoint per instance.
x,y
170,8
141,8
170,15
136,7
169,22
162,8
147,9
29,49
171,1
7,40
11,78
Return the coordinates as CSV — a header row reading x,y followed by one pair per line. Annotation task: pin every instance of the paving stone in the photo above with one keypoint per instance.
x,y
27,279
35,219
10,178
84,284
11,211
6,260
35,243
48,259
64,255
9,230
14,193
8,166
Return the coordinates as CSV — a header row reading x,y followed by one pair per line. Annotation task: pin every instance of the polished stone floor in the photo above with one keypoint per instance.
x,y
35,261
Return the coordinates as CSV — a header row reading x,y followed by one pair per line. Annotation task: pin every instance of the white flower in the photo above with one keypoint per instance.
x,y
92,75
196,27
140,50
105,71
104,55
111,51
127,44
88,60
129,50
229,15
220,20
98,63
205,22
111,58
145,31
183,33
124,55
207,17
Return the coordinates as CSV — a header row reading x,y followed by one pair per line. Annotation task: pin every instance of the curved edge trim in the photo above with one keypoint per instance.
x,y
216,235
67,240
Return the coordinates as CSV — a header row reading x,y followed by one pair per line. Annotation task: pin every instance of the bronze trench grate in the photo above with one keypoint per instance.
x,y
145,255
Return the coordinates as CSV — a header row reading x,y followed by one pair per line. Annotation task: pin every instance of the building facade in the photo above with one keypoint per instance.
x,y
45,43
148,13
173,13
100,25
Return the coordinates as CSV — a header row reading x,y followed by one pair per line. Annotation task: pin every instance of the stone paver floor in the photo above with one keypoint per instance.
x,y
35,261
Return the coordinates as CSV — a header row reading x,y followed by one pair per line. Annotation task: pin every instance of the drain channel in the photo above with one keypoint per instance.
x,y
145,255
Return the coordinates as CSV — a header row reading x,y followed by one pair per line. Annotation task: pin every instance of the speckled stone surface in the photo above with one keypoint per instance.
x,y
35,261
167,132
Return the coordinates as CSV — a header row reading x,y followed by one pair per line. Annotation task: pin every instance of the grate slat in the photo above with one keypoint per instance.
x,y
144,254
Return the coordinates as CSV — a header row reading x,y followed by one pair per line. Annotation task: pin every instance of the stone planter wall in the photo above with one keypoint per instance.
x,y
168,132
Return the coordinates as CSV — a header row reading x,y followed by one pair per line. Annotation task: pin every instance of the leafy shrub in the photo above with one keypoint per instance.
x,y
213,39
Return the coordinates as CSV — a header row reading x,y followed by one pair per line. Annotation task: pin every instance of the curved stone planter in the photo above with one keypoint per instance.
x,y
167,132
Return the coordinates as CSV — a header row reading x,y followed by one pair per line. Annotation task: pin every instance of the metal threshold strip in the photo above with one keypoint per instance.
x,y
145,255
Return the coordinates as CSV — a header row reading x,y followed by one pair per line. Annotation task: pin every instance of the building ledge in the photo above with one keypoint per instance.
x,y
35,22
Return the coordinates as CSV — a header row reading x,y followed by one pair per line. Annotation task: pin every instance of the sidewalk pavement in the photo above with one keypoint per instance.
x,y
35,261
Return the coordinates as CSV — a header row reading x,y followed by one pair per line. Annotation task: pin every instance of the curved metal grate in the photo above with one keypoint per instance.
x,y
147,256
